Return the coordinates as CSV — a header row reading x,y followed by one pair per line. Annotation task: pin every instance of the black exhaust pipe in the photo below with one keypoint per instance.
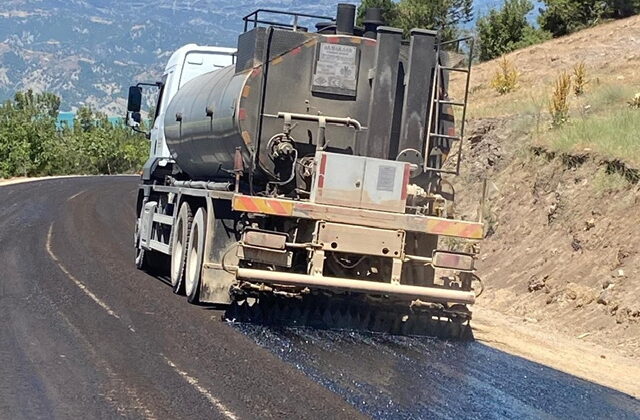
x,y
372,20
345,19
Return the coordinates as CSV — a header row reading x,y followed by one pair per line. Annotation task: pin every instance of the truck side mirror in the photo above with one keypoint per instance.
x,y
134,102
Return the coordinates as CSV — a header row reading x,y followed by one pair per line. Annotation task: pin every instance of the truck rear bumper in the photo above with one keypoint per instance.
x,y
430,294
356,216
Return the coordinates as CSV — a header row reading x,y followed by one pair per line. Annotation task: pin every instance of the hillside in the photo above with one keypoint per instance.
x,y
89,51
562,212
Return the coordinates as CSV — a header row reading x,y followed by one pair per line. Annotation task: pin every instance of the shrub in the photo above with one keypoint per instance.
x,y
579,79
442,15
31,144
505,79
388,8
507,29
635,102
559,104
562,17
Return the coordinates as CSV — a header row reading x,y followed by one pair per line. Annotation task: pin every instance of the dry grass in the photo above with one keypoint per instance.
x,y
610,53
505,79
605,183
559,102
611,134
579,79
599,113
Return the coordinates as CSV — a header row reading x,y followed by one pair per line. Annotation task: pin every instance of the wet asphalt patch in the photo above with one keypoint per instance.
x,y
387,377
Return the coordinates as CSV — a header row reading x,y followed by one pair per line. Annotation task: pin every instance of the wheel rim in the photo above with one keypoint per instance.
x,y
136,242
177,253
139,256
192,268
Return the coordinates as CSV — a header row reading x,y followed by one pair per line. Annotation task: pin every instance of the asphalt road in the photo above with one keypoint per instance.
x,y
83,334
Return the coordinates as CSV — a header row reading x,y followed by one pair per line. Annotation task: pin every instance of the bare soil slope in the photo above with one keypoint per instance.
x,y
610,52
562,252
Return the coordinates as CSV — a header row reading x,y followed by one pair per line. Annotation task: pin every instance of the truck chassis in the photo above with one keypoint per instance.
x,y
227,247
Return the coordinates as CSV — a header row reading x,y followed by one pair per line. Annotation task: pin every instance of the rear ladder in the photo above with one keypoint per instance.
x,y
435,139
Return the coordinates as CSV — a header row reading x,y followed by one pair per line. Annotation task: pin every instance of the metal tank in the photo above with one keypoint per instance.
x,y
305,73
201,123
333,90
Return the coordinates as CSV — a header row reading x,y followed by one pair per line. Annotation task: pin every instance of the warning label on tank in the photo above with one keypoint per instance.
x,y
336,68
386,178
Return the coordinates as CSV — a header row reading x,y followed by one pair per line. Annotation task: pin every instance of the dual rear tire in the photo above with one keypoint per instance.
x,y
195,256
187,251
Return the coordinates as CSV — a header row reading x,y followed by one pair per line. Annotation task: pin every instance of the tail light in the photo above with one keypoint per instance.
x,y
453,260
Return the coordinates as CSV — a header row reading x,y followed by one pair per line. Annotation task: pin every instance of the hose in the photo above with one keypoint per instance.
x,y
347,266
293,170
224,256
481,284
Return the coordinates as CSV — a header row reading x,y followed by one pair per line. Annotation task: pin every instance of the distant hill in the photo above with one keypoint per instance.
x,y
89,51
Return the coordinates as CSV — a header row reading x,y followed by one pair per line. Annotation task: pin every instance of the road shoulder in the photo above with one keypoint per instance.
x,y
567,354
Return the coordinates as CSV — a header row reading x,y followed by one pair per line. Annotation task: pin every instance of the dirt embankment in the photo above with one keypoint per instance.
x,y
562,246
562,253
561,260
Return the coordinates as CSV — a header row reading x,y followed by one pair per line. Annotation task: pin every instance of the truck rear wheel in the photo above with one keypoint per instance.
x,y
195,254
179,241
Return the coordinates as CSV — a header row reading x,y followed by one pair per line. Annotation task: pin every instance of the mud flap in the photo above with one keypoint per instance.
x,y
220,243
146,224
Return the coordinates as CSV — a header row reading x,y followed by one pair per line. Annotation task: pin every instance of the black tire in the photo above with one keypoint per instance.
x,y
195,256
179,242
153,262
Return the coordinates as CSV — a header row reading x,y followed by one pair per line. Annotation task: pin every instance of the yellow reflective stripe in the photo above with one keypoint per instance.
x,y
455,228
262,205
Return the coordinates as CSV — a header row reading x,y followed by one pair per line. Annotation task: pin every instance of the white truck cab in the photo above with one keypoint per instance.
x,y
185,64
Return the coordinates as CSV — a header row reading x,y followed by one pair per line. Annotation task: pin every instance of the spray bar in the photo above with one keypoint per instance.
x,y
361,286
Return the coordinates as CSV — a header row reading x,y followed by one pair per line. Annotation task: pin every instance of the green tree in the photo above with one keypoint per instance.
x,y
442,15
32,144
27,123
562,17
507,29
389,10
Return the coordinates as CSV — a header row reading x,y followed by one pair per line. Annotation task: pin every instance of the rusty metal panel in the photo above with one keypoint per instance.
x,y
263,239
360,240
265,255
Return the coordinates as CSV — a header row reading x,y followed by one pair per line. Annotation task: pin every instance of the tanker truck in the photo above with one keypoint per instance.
x,y
309,165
